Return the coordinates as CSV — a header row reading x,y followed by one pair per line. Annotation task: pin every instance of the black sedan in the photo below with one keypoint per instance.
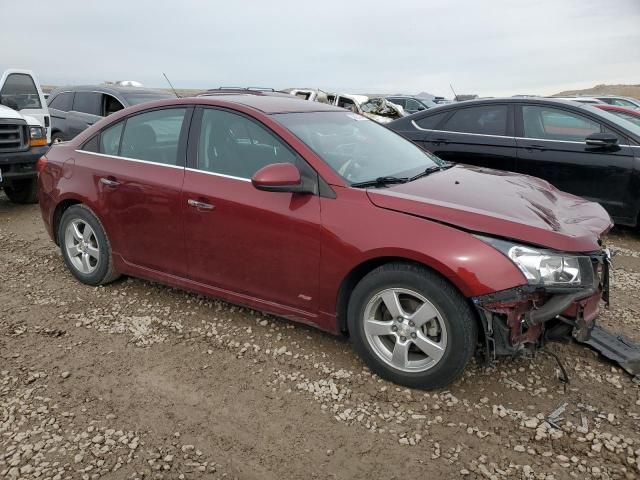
x,y
576,147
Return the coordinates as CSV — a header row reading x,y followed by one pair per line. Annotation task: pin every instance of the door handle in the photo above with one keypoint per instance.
x,y
535,147
440,141
199,205
107,182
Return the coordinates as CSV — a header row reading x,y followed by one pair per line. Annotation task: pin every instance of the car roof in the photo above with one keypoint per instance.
x,y
112,89
488,101
271,104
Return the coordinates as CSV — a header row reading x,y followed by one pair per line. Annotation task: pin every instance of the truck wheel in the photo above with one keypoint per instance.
x,y
411,326
57,137
23,191
85,247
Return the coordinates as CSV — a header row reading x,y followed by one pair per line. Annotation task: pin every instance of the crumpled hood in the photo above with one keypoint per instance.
x,y
503,204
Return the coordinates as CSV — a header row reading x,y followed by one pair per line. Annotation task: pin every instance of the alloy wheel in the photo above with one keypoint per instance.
x,y
82,246
405,330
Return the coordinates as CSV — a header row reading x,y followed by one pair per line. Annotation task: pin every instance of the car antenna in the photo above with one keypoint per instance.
x,y
454,92
169,82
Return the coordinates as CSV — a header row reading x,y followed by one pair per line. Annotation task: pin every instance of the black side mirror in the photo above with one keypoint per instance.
x,y
602,140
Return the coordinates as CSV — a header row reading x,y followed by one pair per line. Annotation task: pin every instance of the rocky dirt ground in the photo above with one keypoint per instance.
x,y
136,380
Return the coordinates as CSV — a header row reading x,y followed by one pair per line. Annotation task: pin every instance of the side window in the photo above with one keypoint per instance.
x,y
486,120
111,105
62,101
412,105
620,102
110,139
231,144
20,92
153,136
430,122
554,124
92,145
87,102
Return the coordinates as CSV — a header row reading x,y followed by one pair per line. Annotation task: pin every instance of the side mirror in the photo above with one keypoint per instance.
x,y
602,140
279,177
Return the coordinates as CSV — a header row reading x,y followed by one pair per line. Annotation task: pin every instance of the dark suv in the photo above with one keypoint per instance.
x,y
73,109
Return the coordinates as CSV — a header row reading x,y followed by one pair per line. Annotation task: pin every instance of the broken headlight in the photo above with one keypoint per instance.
x,y
543,267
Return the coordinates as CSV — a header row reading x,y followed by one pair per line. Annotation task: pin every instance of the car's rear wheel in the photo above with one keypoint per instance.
x,y
85,247
23,191
411,326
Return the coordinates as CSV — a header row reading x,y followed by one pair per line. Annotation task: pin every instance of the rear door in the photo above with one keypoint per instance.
x,y
551,145
476,135
253,243
138,167
86,110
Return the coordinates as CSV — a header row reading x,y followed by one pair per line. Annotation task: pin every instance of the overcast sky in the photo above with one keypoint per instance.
x,y
490,47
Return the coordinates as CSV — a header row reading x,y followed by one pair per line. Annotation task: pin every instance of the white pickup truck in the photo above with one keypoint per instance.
x,y
25,134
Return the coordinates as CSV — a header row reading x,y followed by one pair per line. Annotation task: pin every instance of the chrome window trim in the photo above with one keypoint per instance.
x,y
506,136
413,122
131,159
215,174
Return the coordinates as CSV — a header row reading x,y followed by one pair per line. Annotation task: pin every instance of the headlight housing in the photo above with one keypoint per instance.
x,y
37,136
545,267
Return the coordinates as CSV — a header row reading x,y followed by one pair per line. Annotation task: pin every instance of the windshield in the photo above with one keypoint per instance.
x,y
20,92
635,129
357,148
428,103
137,98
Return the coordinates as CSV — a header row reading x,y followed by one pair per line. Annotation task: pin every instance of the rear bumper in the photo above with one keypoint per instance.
x,y
20,165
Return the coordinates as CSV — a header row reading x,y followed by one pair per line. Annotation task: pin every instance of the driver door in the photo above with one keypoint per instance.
x,y
255,244
552,146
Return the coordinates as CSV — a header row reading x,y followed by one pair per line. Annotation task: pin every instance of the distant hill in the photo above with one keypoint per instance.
x,y
622,90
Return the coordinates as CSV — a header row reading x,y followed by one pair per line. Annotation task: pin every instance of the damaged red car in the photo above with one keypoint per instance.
x,y
316,214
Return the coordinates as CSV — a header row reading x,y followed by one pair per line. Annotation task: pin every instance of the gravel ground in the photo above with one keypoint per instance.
x,y
137,380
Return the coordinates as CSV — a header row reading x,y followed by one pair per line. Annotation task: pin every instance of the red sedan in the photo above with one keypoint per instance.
x,y
319,215
628,114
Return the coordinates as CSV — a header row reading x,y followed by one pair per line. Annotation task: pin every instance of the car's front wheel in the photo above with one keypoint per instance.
x,y
85,247
411,326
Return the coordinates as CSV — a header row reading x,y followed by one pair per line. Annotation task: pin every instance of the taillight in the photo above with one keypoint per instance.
x,y
42,162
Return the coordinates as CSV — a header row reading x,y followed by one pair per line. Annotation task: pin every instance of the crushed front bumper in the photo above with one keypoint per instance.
x,y
516,320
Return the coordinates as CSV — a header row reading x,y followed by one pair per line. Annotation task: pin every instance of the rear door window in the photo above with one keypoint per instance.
x,y
63,101
20,92
154,136
88,102
485,120
555,124
110,139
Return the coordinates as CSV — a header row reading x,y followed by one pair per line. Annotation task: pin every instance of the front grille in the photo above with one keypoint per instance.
x,y
13,136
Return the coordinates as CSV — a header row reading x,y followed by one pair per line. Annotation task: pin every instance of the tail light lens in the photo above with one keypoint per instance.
x,y
42,162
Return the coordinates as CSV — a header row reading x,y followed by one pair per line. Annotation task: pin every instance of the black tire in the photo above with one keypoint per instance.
x,y
104,271
57,137
458,318
23,191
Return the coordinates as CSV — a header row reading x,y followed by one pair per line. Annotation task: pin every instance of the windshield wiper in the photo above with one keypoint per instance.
x,y
430,170
380,182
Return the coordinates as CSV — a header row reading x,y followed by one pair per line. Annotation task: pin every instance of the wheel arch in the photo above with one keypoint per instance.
x,y
358,272
59,210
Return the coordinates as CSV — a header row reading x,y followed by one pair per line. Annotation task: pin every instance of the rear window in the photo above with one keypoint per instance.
x,y
20,92
63,101
485,120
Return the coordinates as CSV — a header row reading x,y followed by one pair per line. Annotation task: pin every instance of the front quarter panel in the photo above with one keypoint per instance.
x,y
356,231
